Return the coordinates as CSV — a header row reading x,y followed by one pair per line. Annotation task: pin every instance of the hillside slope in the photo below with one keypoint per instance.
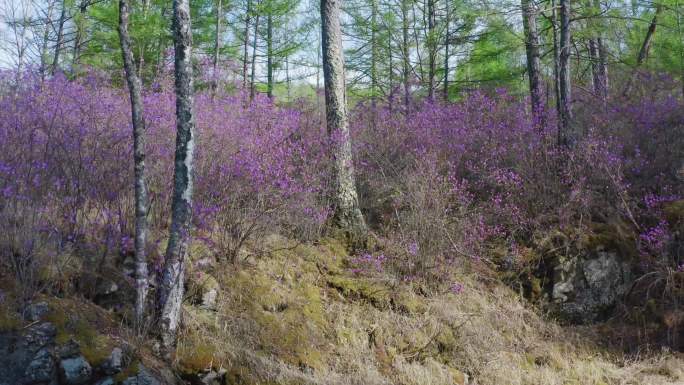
x,y
300,315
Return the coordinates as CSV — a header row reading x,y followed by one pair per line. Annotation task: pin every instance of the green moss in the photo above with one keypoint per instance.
x,y
446,341
9,319
334,246
288,313
361,288
196,357
71,325
408,302
674,212
616,236
536,287
129,371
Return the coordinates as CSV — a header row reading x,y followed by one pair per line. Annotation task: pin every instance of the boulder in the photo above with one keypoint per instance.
x,y
41,369
69,349
586,288
75,370
36,311
40,335
26,358
114,363
205,289
213,377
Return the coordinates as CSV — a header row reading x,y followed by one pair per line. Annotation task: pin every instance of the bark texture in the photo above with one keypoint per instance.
x,y
598,55
405,53
217,44
529,14
347,215
447,38
141,206
46,41
566,135
245,54
60,39
252,81
171,285
645,48
432,48
269,53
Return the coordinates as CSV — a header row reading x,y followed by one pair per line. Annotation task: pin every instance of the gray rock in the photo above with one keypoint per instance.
x,y
40,335
114,363
26,358
144,377
205,264
209,298
107,287
41,369
36,311
586,288
213,378
75,370
69,350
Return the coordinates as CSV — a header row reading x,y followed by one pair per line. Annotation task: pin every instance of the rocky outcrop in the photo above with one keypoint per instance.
x,y
32,356
587,287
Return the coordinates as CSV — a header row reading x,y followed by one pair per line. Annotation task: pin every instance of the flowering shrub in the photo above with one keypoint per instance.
x,y
66,168
447,182
464,178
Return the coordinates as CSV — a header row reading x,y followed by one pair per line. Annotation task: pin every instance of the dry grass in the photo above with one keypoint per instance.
x,y
297,316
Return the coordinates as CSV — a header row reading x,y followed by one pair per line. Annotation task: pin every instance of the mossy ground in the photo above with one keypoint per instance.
x,y
85,324
299,315
294,313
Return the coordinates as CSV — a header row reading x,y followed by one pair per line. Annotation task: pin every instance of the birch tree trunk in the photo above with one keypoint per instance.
x,y
432,49
245,54
556,62
80,31
217,45
252,81
269,54
141,207
60,39
446,49
645,48
374,56
598,53
171,286
595,73
566,133
390,72
533,58
46,41
405,53
347,214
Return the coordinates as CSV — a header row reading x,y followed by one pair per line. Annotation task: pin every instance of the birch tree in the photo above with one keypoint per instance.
x,y
141,207
566,136
171,285
529,15
347,214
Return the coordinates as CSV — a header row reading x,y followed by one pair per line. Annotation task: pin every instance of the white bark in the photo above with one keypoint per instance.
x,y
171,287
141,207
347,214
567,136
